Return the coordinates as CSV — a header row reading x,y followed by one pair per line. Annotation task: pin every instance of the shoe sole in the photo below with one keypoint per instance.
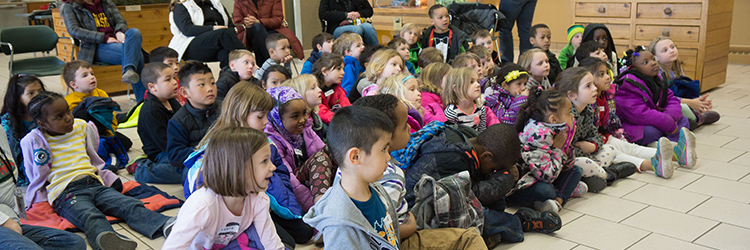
x,y
664,167
690,154
596,184
112,241
551,222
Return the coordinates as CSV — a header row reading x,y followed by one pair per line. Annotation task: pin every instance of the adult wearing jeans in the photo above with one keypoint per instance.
x,y
520,12
255,20
105,37
202,30
338,13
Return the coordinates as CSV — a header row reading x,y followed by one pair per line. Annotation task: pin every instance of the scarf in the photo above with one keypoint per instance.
x,y
409,154
280,96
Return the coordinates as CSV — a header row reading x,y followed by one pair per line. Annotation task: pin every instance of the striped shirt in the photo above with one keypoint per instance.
x,y
69,159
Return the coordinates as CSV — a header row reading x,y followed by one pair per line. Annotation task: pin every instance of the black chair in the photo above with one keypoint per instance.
x,y
26,39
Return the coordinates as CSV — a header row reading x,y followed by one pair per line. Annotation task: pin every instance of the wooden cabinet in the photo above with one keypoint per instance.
x,y
699,28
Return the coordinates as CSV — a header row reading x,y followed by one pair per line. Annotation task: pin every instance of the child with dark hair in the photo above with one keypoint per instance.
x,y
279,52
168,56
449,41
643,94
600,33
586,50
540,37
274,76
15,117
321,43
507,97
402,47
329,70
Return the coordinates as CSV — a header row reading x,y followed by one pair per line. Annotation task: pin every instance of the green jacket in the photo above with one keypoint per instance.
x,y
566,55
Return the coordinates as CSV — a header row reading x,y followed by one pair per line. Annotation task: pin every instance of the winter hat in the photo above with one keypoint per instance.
x,y
573,30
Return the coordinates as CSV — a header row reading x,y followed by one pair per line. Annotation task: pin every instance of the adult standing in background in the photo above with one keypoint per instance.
x,y
340,13
255,19
202,30
520,12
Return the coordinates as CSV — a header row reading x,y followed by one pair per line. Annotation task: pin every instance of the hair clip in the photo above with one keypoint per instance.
x,y
513,75
538,90
407,78
636,54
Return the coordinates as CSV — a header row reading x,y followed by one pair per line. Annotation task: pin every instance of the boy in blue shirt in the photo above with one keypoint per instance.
x,y
321,43
351,46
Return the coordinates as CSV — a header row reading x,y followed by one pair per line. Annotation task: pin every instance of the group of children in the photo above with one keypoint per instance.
x,y
413,145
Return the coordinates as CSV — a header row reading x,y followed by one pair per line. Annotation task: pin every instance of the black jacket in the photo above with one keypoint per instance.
x,y
187,128
227,80
334,11
458,44
152,124
588,35
554,66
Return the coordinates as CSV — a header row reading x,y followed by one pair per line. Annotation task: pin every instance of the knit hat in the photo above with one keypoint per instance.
x,y
573,30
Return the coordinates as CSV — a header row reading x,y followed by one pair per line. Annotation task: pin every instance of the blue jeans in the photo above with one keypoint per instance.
x,y
160,171
86,201
516,11
35,237
562,187
497,221
365,30
127,54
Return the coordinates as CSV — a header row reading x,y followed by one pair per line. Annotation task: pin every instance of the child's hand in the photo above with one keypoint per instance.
x,y
287,59
13,225
525,92
560,137
700,104
586,147
216,27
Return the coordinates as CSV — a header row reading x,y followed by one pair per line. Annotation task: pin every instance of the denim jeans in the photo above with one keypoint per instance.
x,y
127,54
160,171
562,187
35,237
365,30
86,201
497,221
522,13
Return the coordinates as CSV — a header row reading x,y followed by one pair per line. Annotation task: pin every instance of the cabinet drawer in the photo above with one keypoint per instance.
x,y
619,31
669,10
66,49
676,33
603,9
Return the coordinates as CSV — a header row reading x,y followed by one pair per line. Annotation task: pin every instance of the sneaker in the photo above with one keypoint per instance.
x,y
130,77
595,183
710,117
550,205
168,226
541,222
109,240
662,161
685,149
133,165
580,190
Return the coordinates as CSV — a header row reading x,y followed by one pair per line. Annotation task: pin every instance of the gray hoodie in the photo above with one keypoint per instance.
x,y
343,226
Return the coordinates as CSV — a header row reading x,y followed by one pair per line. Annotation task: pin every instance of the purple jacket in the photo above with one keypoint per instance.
x,y
39,173
313,144
636,109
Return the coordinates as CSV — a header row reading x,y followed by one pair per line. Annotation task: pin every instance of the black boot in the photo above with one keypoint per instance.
x,y
619,170
595,183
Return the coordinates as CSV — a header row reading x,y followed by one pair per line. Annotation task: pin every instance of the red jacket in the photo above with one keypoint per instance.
x,y
271,15
328,106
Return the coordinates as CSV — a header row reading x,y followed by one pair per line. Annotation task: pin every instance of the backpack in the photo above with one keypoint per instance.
x,y
447,203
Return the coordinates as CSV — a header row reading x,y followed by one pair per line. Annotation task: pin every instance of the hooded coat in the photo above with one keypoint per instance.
x,y
588,35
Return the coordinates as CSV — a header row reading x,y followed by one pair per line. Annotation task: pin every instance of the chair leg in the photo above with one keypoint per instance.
x,y
130,87
294,64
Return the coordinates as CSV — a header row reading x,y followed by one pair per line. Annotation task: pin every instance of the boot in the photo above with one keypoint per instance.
x,y
619,170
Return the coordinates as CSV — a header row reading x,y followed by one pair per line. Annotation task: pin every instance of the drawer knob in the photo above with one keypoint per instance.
x,y
665,32
668,11
601,9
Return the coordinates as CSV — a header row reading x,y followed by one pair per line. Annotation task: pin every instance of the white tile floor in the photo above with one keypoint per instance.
x,y
703,208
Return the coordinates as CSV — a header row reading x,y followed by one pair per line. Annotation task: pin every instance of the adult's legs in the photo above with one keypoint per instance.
x,y
50,238
525,17
213,45
511,9
13,240
127,54
257,35
369,35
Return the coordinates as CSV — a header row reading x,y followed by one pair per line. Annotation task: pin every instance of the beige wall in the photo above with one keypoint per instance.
x,y
740,25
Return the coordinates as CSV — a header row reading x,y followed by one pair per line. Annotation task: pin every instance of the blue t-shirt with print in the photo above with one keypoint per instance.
x,y
376,214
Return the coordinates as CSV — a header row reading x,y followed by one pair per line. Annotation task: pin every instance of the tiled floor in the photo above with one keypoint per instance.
x,y
703,208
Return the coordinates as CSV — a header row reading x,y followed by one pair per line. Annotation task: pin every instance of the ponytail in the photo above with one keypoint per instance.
x,y
539,105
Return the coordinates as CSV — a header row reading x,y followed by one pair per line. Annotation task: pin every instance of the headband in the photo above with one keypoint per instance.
x,y
407,78
513,75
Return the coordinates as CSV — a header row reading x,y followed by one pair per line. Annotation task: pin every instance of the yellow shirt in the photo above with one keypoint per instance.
x,y
69,159
75,98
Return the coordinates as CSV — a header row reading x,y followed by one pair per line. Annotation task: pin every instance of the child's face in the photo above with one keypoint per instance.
x,y
410,36
599,53
356,49
166,86
539,65
393,67
282,50
576,40
440,19
412,91
515,87
601,79
295,116
563,115
401,134
312,96
542,38
666,51
372,165
587,91
84,81
244,66
477,66
488,66
475,90
646,64
485,42
327,46
257,120
261,167
57,118
403,50
274,80
201,91
600,35
333,76
30,91
173,63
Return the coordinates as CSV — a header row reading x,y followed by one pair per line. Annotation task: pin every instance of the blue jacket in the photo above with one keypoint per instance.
x,y
307,66
352,69
283,201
